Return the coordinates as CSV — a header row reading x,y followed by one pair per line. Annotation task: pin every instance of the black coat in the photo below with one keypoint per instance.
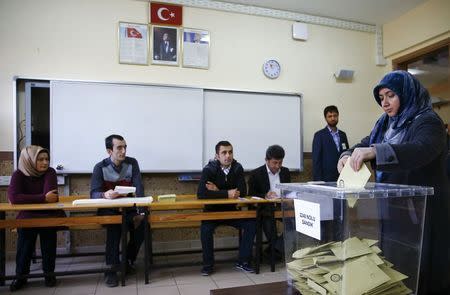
x,y
234,180
420,159
259,184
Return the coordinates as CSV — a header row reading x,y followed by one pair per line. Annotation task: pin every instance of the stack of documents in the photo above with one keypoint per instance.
x,y
352,267
125,190
113,202
167,198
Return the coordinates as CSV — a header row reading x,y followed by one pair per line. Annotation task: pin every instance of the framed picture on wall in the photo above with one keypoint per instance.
x,y
196,48
133,43
165,46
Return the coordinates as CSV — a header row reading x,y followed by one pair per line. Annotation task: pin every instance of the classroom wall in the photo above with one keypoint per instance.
x,y
64,39
429,22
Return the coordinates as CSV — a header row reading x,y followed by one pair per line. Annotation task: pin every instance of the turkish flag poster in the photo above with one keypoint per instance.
x,y
133,33
166,14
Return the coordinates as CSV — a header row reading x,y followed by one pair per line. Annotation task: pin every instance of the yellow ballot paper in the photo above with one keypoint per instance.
x,y
351,179
167,198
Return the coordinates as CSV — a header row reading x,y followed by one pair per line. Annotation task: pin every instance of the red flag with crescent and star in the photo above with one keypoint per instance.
x,y
133,33
166,14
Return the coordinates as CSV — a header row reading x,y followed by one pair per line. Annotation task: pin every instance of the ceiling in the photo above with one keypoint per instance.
x,y
363,11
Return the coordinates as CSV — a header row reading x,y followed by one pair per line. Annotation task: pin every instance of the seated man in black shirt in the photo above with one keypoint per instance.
x,y
222,178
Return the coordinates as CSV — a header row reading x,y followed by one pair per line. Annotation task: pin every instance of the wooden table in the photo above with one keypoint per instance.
x,y
65,203
277,288
158,217
190,202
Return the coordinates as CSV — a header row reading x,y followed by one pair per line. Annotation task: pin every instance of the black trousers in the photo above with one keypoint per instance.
x,y
26,242
270,227
113,237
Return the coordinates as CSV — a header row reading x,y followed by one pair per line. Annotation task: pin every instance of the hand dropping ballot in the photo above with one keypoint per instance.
x,y
125,190
351,179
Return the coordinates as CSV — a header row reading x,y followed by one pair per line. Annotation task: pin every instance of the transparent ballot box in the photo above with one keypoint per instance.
x,y
353,241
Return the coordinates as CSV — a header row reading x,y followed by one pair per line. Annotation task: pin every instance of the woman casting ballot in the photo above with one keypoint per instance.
x,y
408,146
34,182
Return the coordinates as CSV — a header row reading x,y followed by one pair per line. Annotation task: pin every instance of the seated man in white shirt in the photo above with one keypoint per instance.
x,y
262,183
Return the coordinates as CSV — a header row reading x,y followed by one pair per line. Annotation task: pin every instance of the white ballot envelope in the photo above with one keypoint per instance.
x,y
125,190
351,179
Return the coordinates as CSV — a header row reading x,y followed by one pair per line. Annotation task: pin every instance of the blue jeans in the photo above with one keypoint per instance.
x,y
248,227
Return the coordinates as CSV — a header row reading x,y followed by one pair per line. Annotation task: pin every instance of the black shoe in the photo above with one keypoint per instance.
x,y
50,281
207,270
17,285
111,279
245,267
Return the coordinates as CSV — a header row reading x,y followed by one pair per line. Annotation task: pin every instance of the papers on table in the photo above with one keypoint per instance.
x,y
351,267
167,198
351,179
116,202
125,190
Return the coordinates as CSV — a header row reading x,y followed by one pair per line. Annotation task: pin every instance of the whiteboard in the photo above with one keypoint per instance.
x,y
161,125
252,122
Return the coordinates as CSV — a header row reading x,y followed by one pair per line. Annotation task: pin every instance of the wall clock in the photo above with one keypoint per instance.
x,y
271,68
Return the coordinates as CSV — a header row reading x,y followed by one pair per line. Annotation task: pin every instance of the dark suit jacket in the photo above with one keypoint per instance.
x,y
169,54
258,183
326,155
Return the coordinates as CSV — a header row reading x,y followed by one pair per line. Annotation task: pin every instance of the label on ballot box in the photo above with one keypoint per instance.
x,y
307,218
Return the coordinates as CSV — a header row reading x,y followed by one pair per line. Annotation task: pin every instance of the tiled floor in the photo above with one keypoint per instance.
x,y
163,280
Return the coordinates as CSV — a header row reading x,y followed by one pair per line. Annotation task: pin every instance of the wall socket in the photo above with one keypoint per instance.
x,y
61,179
5,180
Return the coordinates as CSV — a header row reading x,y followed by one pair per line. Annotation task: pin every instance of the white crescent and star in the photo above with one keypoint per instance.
x,y
160,12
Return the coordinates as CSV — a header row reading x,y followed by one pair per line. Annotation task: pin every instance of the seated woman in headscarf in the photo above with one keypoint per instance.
x,y
408,146
34,182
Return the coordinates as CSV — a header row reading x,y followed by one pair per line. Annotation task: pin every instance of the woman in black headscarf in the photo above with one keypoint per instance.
x,y
408,146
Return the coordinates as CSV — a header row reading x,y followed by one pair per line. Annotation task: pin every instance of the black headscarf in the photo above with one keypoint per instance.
x,y
414,101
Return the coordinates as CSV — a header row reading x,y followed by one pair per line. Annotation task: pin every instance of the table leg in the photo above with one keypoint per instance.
x,y
2,251
123,263
146,246
150,239
258,238
273,234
